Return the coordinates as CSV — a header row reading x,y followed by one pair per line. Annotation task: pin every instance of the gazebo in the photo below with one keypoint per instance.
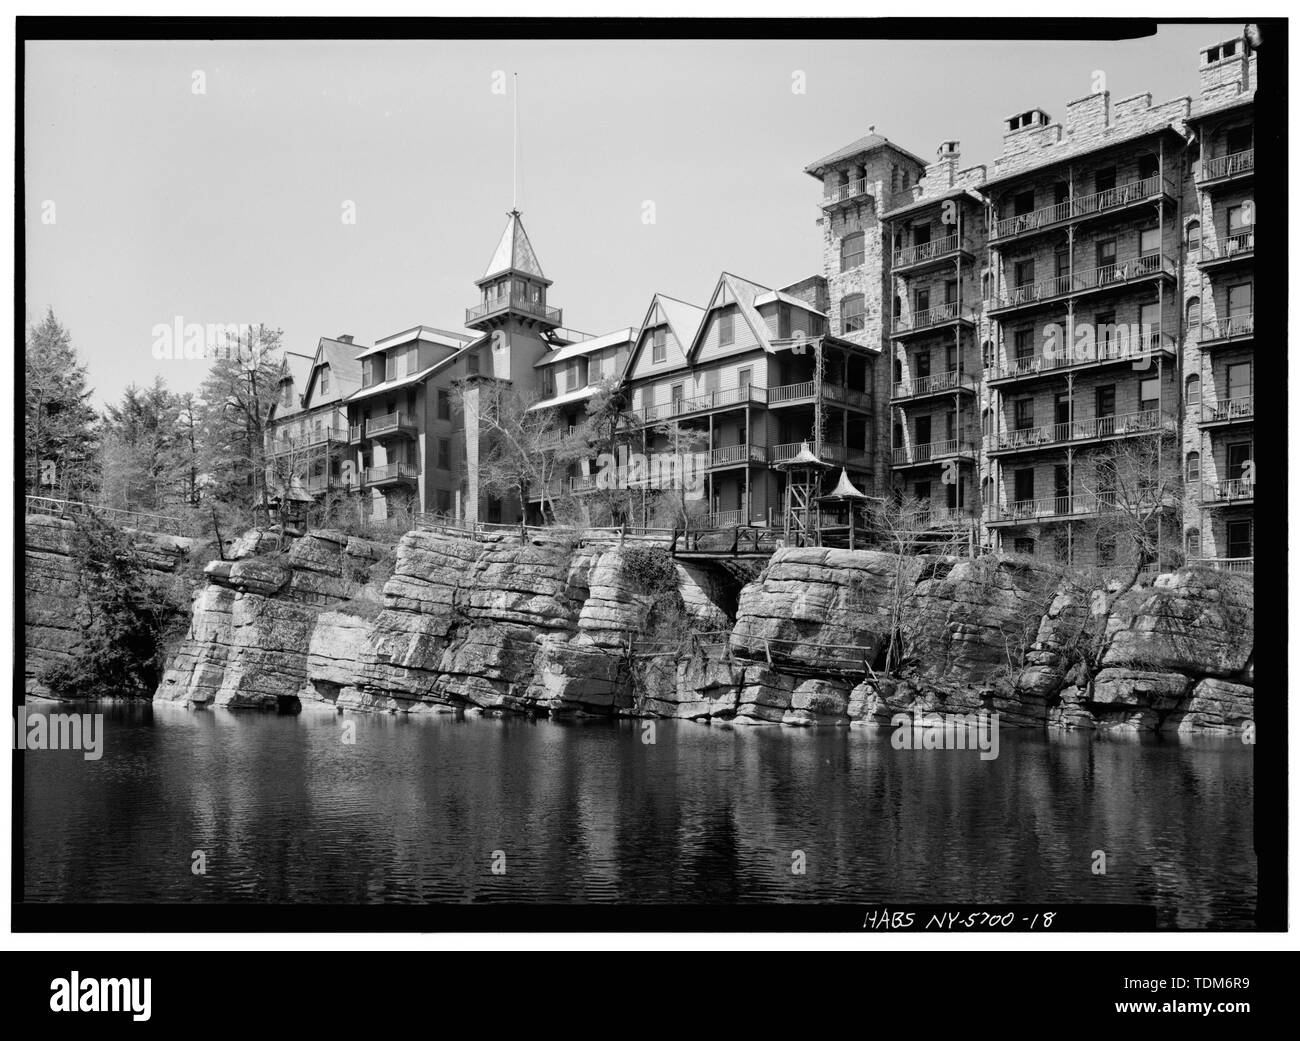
x,y
846,500
803,475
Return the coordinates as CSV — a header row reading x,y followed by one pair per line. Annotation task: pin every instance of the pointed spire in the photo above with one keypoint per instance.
x,y
846,489
514,252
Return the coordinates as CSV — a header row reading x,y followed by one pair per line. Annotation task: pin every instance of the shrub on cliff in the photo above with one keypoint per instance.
x,y
125,610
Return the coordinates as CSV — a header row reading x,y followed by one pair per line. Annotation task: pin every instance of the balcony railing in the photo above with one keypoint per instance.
x,y
1229,409
1241,565
1226,166
925,252
514,302
391,472
1082,206
1128,425
1237,246
735,455
1236,489
930,317
1107,276
1053,506
392,423
730,398
844,192
937,383
827,453
1236,327
282,444
1139,350
728,518
953,447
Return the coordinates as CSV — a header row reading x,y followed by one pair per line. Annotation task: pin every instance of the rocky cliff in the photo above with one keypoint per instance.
x,y
821,637
54,590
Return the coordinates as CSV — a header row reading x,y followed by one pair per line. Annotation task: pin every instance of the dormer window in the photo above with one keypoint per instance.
x,y
324,379
659,346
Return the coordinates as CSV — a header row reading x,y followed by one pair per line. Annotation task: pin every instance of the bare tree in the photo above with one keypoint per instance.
x,y
684,444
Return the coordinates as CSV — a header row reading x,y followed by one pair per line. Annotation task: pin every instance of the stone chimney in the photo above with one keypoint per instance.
x,y
1230,64
344,337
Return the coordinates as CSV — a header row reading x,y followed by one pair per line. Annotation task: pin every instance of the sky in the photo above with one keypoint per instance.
x,y
228,205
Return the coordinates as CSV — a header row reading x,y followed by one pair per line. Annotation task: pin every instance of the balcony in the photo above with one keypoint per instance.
x,y
514,302
1230,411
934,452
826,453
1240,565
1052,508
391,473
1236,491
311,439
855,190
1234,249
1082,208
945,516
928,254
737,455
805,392
1140,351
932,318
1214,173
1082,283
710,401
394,424
1226,332
1101,428
939,383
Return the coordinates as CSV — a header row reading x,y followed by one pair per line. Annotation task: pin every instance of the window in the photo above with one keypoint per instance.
x,y
471,364
678,395
744,377
1148,166
853,317
1062,261
989,354
1238,532
1104,180
1238,460
1193,543
1193,311
1106,255
1149,242
1149,394
1241,300
1239,382
659,349
1024,414
571,376
1024,343
726,327
444,453
1024,273
1193,394
1239,218
852,250
1238,139
1023,203
324,379
1193,235
1105,401
444,405
1193,466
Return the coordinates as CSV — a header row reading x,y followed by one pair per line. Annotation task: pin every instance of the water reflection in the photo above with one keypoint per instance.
x,y
414,811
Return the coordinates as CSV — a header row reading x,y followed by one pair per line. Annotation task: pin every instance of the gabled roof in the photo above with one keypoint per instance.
x,y
741,291
345,371
514,252
862,145
418,377
773,295
682,318
443,337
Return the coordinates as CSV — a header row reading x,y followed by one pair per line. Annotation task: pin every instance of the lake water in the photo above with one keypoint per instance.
x,y
415,810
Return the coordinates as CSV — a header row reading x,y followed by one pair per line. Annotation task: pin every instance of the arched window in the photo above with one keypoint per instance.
x,y
853,313
990,356
1193,466
1193,312
1193,389
852,250
1193,235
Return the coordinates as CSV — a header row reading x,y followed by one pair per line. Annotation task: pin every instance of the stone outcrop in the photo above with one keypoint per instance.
x,y
53,597
447,624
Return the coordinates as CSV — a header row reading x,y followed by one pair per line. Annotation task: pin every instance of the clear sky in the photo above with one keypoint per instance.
x,y
227,206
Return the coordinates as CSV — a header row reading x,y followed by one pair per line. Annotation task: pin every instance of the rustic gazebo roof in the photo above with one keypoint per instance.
x,y
803,459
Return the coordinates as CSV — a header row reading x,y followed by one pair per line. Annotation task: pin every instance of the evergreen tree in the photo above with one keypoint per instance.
x,y
59,424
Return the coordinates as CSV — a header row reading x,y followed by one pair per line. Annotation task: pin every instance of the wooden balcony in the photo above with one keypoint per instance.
x,y
1141,352
394,424
700,404
391,473
940,383
310,440
1101,428
1229,412
853,191
934,452
1236,491
1079,506
932,319
1226,332
1232,250
1083,208
514,302
928,254
1107,278
737,455
1226,169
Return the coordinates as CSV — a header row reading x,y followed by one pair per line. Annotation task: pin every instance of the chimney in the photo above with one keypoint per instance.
x,y
344,337
949,155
